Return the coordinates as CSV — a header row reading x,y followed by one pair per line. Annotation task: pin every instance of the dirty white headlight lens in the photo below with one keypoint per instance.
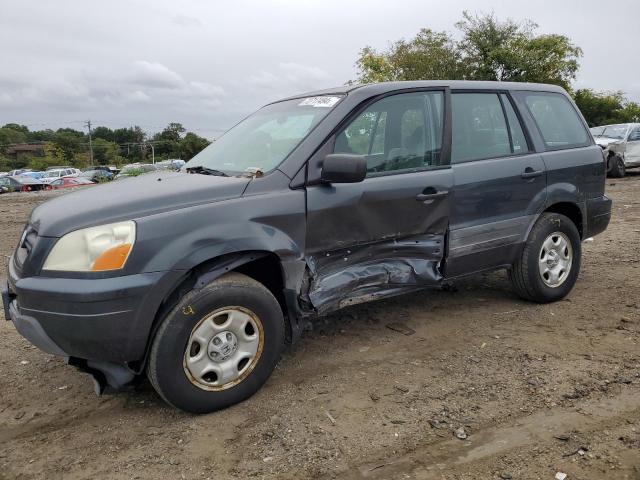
x,y
94,249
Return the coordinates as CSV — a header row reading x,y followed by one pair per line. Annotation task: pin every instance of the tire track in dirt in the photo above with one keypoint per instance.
x,y
427,463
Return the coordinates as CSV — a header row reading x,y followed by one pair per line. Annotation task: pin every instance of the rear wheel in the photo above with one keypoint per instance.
x,y
218,346
549,264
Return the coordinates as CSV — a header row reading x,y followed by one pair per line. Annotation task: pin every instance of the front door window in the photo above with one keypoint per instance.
x,y
396,134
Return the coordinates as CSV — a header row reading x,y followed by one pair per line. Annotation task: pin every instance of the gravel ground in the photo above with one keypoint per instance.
x,y
487,387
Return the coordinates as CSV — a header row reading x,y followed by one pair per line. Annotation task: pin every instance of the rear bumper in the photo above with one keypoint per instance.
x,y
107,319
598,215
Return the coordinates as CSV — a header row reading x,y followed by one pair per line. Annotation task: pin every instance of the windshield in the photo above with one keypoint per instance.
x,y
263,140
612,131
52,174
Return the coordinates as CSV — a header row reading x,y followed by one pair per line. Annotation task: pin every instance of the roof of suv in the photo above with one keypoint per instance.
x,y
385,87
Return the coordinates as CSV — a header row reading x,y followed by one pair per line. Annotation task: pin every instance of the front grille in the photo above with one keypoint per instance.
x,y
27,242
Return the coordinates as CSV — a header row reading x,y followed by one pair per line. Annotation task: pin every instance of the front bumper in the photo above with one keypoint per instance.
x,y
29,327
106,319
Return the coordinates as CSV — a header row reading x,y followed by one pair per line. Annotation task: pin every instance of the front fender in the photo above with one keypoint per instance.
x,y
180,240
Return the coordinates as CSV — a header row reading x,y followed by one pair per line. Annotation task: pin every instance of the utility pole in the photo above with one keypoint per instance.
x,y
153,151
90,143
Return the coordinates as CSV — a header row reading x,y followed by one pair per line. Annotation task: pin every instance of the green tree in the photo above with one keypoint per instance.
x,y
598,108
103,132
129,140
510,51
105,152
167,142
53,156
630,112
18,128
192,144
430,55
488,50
172,132
41,136
9,135
70,142
128,135
81,159
5,164
603,108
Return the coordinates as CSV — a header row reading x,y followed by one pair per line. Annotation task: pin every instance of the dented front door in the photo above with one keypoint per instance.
x,y
384,235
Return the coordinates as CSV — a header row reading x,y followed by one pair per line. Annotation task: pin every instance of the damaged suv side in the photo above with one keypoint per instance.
x,y
313,203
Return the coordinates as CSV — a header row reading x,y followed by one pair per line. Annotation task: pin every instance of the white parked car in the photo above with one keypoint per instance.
x,y
52,175
621,145
14,173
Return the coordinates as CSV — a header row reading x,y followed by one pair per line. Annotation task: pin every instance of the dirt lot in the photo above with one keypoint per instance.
x,y
537,389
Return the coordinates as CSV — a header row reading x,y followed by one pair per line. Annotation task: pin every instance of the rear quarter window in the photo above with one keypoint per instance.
x,y
557,120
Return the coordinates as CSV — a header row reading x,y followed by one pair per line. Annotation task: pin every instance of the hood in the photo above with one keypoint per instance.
x,y
132,198
604,141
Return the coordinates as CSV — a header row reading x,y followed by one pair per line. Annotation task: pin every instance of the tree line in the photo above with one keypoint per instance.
x,y
487,48
67,146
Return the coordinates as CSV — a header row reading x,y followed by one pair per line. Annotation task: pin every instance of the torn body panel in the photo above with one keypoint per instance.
x,y
350,276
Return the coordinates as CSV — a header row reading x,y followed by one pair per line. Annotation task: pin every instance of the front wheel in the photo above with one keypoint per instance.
x,y
218,346
549,264
618,169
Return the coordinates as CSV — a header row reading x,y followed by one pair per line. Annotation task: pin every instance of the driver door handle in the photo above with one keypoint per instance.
x,y
423,197
531,173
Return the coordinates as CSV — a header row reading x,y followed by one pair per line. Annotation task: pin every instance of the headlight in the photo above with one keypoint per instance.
x,y
94,249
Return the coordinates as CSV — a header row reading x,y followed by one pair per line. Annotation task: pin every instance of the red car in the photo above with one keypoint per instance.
x,y
67,182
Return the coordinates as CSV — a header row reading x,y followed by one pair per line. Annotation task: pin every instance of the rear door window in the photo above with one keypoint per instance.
x,y
479,127
558,121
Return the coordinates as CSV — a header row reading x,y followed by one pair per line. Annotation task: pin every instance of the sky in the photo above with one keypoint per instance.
x,y
209,63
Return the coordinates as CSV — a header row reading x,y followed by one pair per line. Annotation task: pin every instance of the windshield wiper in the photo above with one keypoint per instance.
x,y
206,171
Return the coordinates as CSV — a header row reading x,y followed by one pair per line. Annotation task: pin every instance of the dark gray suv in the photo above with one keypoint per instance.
x,y
313,203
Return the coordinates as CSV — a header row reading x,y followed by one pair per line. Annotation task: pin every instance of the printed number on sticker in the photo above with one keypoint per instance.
x,y
323,101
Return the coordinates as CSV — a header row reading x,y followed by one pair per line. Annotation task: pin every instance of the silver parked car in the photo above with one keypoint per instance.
x,y
621,145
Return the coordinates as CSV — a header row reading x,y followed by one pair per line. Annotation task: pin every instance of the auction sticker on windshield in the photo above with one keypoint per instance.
x,y
323,101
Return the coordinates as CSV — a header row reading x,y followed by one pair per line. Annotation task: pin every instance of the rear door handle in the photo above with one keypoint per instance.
x,y
423,197
531,173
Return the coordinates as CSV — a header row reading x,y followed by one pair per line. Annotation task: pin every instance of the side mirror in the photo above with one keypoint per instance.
x,y
343,168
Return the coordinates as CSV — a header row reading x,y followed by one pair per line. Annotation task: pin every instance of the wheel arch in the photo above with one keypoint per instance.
x,y
570,210
263,266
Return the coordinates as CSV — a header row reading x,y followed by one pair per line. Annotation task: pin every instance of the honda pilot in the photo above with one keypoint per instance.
x,y
199,278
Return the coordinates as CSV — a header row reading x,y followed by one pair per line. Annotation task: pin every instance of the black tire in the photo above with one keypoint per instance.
x,y
166,370
618,169
525,275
